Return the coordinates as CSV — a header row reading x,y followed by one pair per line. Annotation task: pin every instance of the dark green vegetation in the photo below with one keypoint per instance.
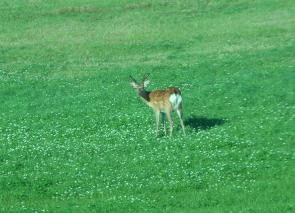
x,y
74,137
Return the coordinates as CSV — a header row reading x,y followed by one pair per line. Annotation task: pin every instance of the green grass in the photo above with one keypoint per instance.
x,y
75,138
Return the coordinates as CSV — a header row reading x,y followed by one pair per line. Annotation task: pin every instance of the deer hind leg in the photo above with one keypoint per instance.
x,y
164,123
180,115
170,121
157,114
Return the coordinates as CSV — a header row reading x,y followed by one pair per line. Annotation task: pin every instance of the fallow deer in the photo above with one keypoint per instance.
x,y
161,101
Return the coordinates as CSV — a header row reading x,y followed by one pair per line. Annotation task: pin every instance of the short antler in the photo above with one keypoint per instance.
x,y
132,79
145,77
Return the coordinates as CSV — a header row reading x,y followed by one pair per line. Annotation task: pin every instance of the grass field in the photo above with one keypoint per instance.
x,y
75,138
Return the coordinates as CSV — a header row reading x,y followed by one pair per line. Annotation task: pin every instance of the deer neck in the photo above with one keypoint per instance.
x,y
144,95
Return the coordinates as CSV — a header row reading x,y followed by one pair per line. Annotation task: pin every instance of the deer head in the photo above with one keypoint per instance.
x,y
142,85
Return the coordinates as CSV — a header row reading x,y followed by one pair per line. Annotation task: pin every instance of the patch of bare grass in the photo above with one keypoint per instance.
x,y
77,10
139,6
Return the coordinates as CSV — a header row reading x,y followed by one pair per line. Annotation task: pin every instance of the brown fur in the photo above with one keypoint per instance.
x,y
159,99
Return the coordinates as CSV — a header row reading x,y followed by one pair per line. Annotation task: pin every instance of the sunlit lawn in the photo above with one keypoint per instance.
x,y
75,138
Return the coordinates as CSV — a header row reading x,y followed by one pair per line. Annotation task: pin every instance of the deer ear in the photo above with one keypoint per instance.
x,y
146,83
134,85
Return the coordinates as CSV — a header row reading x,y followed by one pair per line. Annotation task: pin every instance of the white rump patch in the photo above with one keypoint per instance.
x,y
175,100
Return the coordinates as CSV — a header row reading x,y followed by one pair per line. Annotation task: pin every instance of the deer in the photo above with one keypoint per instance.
x,y
162,101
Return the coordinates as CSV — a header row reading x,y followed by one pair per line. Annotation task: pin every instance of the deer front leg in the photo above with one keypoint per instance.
x,y
157,114
170,121
164,123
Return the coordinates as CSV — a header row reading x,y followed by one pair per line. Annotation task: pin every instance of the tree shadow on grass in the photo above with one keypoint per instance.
x,y
202,123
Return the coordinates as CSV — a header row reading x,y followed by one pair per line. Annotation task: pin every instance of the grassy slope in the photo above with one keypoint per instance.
x,y
74,137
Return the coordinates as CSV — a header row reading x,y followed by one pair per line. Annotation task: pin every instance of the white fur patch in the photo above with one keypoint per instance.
x,y
175,100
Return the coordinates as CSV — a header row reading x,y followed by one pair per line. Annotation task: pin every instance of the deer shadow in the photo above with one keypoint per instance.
x,y
203,123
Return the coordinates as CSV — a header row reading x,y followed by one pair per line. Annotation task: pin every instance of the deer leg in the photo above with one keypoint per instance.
x,y
179,113
170,121
164,123
157,113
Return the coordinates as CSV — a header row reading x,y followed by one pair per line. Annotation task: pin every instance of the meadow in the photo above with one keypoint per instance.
x,y
74,137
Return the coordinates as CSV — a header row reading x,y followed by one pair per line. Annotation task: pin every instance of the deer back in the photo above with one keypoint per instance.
x,y
161,99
